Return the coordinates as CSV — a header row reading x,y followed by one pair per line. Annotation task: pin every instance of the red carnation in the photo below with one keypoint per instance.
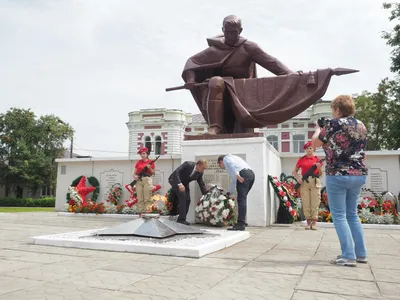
x,y
282,193
277,184
288,204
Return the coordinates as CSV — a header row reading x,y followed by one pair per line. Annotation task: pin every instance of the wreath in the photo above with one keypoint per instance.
x,y
216,208
114,194
287,212
92,181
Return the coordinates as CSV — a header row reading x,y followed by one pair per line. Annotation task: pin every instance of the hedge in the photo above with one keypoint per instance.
x,y
28,202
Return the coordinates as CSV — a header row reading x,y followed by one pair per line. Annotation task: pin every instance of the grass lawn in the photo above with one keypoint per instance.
x,y
24,209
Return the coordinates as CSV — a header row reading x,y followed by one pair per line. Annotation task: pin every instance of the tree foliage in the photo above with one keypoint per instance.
x,y
378,113
28,147
393,38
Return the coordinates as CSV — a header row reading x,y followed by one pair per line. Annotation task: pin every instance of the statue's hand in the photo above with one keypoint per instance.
x,y
189,85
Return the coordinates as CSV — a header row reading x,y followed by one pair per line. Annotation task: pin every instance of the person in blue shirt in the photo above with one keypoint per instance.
x,y
242,179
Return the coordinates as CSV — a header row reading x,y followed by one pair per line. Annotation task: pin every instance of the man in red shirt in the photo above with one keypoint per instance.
x,y
310,191
144,186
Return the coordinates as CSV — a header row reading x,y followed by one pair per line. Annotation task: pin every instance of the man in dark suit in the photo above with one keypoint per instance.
x,y
180,179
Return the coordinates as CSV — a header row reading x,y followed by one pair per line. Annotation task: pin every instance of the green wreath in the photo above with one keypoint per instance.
x,y
92,181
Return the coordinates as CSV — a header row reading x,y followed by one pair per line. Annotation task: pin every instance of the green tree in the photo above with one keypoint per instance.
x,y
28,149
393,37
379,112
372,110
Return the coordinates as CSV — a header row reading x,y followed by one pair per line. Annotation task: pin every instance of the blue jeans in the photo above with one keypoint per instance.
x,y
343,193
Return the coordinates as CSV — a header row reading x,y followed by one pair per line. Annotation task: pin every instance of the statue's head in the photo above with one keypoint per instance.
x,y
232,28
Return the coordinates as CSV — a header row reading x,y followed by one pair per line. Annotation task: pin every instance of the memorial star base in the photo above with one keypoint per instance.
x,y
148,235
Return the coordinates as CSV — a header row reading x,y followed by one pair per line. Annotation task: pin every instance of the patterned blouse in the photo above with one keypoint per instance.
x,y
344,142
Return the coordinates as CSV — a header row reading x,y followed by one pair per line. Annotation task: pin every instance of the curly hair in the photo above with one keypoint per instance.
x,y
345,104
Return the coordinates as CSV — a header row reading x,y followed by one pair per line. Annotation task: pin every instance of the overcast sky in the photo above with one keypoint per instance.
x,y
91,62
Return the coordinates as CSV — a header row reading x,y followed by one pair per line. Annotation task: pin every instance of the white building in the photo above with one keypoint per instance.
x,y
162,130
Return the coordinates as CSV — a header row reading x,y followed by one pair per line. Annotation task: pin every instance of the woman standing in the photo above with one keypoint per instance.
x,y
144,185
344,139
310,189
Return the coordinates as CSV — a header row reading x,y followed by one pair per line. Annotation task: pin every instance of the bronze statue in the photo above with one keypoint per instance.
x,y
223,81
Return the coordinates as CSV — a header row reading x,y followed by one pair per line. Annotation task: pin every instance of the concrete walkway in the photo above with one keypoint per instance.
x,y
285,263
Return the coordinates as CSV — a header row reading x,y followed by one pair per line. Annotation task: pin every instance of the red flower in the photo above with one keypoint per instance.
x,y
282,193
275,177
288,204
277,184
363,205
293,212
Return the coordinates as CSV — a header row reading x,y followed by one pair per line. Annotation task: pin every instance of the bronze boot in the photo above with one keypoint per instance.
x,y
215,112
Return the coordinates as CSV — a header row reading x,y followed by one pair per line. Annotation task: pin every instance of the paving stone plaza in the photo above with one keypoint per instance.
x,y
275,263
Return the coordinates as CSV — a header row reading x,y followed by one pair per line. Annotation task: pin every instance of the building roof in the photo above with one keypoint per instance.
x,y
198,118
67,154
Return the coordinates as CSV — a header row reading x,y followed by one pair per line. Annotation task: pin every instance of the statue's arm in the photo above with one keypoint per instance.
x,y
265,60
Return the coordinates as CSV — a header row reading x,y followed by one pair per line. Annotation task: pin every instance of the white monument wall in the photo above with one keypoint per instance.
x,y
257,153
108,171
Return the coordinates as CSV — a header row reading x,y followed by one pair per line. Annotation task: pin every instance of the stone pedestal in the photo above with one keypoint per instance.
x,y
256,151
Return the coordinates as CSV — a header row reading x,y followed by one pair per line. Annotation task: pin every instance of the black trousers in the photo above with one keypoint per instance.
x,y
183,199
242,190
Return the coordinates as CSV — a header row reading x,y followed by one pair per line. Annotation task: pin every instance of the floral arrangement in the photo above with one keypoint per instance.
x,y
216,208
287,201
170,205
90,207
289,182
374,209
93,181
111,206
324,199
325,216
75,198
133,199
115,194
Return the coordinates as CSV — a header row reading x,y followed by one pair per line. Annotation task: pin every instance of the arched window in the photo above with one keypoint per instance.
x,y
147,143
158,145
298,143
273,140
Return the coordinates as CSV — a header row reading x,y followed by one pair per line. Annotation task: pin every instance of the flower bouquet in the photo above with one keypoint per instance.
x,y
216,208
